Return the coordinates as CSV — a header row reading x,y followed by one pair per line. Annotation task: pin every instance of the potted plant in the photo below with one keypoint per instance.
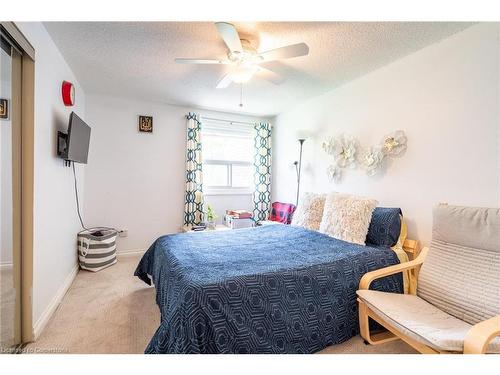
x,y
211,217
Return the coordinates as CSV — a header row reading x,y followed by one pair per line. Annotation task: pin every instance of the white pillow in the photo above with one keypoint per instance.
x,y
347,217
309,211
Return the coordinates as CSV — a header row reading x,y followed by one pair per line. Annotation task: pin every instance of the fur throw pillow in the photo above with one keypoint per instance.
x,y
347,217
309,211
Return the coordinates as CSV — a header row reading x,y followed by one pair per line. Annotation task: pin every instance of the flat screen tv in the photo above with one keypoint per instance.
x,y
77,140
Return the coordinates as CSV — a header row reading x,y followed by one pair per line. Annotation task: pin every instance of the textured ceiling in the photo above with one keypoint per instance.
x,y
136,59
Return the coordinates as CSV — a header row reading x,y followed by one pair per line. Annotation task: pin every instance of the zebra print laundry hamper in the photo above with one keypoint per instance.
x,y
97,252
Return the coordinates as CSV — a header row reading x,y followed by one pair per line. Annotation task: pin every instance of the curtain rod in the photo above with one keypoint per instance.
x,y
229,121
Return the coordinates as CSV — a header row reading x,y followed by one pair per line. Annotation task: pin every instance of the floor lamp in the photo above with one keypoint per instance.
x,y
298,167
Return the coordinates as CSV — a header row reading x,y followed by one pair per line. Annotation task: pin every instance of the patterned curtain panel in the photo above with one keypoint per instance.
x,y
193,209
262,163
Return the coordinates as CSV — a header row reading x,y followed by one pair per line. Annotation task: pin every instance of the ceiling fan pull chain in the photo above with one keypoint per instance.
x,y
241,94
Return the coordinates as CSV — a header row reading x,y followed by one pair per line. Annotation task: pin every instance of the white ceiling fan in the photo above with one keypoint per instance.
x,y
243,59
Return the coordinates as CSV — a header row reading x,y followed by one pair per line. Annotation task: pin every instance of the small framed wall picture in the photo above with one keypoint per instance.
x,y
146,124
4,109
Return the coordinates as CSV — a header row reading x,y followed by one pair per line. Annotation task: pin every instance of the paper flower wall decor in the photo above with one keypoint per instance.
x,y
394,144
327,146
372,160
343,149
345,152
334,173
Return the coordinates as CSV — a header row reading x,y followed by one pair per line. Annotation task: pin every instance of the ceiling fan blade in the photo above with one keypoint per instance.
x,y
270,76
200,61
224,82
230,36
293,50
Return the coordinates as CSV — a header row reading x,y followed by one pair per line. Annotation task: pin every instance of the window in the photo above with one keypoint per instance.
x,y
228,153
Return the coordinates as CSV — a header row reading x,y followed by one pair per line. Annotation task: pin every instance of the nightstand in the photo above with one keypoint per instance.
x,y
218,227
411,248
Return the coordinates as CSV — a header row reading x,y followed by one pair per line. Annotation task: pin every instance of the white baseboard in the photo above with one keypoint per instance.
x,y
130,252
52,307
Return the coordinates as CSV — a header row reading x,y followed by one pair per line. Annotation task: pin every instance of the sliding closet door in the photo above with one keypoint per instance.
x,y
10,195
17,94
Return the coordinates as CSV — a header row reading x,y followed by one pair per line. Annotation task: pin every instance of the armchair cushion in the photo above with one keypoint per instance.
x,y
421,321
461,274
475,227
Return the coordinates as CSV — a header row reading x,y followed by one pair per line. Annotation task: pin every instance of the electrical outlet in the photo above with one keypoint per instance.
x,y
123,233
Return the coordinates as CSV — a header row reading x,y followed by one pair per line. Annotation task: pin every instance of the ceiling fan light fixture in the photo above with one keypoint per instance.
x,y
243,59
243,73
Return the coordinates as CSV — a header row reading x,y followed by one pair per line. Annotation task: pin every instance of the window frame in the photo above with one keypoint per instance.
x,y
227,189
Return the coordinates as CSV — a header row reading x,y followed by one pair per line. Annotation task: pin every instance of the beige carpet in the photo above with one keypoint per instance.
x,y
7,306
113,312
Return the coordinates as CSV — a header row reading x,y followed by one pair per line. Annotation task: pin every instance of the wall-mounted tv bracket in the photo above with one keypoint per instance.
x,y
62,147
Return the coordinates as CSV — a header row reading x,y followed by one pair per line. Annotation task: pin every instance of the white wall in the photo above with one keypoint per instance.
x,y
136,181
446,98
55,221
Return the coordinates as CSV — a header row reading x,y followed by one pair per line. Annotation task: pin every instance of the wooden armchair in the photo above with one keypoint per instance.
x,y
457,305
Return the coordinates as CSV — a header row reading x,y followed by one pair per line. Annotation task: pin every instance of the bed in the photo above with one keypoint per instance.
x,y
271,289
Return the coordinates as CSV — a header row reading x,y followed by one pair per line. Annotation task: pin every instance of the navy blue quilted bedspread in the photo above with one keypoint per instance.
x,y
271,289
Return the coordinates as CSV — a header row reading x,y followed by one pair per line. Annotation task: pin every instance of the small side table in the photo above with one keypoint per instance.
x,y
218,227
411,248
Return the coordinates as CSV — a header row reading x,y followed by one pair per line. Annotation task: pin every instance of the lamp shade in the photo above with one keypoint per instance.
x,y
302,134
